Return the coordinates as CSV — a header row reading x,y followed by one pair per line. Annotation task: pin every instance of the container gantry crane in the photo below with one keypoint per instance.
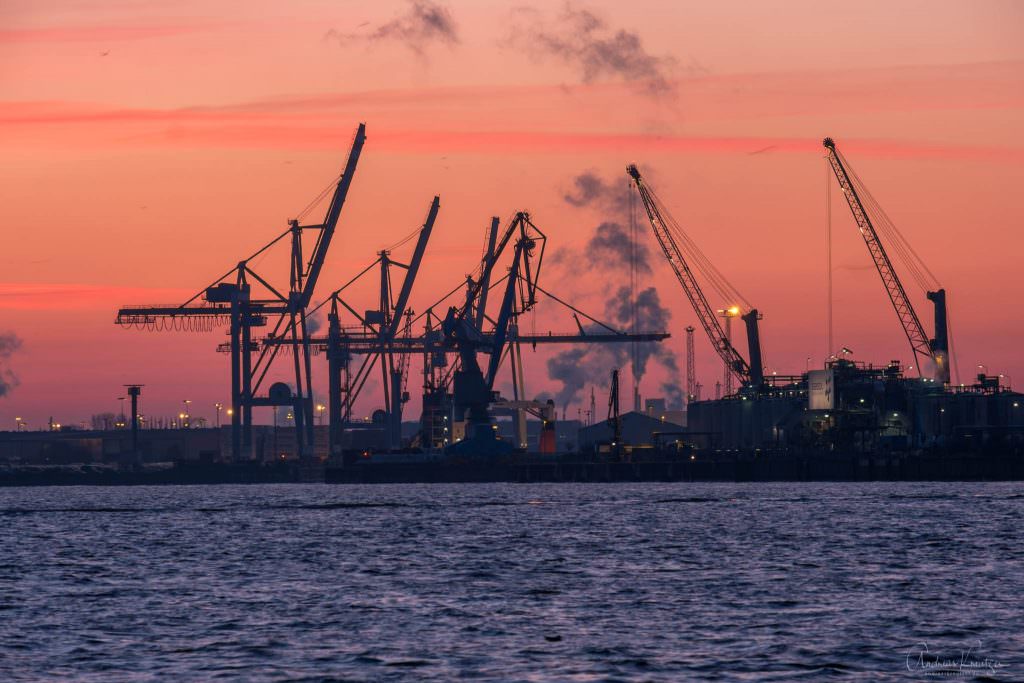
x,y
229,300
935,350
751,375
464,389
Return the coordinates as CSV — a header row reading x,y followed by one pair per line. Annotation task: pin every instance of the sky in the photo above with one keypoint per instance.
x,y
149,146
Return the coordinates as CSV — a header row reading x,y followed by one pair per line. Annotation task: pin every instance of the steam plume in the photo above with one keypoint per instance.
x,y
9,343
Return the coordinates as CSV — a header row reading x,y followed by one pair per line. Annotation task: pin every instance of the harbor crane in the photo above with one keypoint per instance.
x,y
452,391
669,236
474,386
229,300
382,324
935,350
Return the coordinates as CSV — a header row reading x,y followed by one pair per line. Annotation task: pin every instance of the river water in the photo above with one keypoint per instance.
x,y
668,582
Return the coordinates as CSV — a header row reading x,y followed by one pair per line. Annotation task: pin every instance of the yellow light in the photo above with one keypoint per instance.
x,y
181,416
734,310
231,411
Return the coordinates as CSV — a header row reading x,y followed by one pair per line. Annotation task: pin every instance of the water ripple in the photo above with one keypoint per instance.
x,y
653,582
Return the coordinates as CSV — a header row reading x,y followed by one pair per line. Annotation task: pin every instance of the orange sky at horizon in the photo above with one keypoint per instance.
x,y
150,146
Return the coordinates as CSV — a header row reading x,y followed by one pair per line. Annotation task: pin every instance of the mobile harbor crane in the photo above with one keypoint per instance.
x,y
670,236
936,350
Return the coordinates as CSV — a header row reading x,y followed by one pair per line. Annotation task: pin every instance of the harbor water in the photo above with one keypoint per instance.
x,y
681,581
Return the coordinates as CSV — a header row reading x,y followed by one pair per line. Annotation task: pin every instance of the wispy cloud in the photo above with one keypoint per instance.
x,y
585,41
98,34
63,124
424,23
35,296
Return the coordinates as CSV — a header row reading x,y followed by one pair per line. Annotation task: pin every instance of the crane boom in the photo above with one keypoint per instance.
x,y
708,320
316,261
894,288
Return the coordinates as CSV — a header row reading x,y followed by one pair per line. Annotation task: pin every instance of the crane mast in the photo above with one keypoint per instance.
x,y
708,320
911,323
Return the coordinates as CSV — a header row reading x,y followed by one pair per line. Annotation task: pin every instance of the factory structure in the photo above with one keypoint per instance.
x,y
472,331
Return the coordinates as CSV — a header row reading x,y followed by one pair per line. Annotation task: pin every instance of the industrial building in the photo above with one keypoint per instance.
x,y
856,408
635,430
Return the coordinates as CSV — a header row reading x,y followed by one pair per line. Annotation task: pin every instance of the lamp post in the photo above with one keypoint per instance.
x,y
320,408
219,406
185,417
728,314
274,456
1009,381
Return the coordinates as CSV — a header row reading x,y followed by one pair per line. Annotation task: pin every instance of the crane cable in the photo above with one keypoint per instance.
x,y
323,193
633,252
913,262
405,239
828,243
699,260
319,197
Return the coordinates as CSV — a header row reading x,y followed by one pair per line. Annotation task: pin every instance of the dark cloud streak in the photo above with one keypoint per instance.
x,y
424,23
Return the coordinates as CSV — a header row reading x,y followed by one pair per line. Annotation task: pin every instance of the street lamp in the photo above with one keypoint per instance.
x,y
1009,380
219,406
728,314
185,416
320,408
18,424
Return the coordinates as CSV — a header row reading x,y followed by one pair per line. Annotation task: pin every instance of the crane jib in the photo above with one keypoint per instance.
x,y
691,288
908,317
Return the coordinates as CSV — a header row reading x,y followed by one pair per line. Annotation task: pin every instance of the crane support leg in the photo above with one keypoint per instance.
x,y
940,344
236,379
754,347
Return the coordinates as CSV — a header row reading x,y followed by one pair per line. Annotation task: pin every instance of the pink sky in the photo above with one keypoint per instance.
x,y
148,147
